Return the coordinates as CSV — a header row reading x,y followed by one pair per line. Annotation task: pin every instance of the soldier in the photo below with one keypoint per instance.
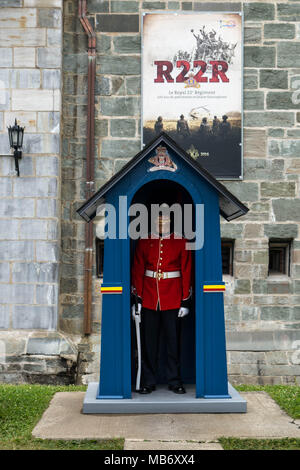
x,y
225,127
158,126
204,128
215,125
183,127
161,280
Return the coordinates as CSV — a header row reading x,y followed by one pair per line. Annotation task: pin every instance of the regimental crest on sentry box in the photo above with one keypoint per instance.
x,y
162,160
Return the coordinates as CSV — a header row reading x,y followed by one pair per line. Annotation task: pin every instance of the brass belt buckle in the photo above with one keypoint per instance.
x,y
159,276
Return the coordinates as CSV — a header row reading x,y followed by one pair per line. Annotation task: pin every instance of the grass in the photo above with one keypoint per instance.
x,y
21,407
288,398
232,443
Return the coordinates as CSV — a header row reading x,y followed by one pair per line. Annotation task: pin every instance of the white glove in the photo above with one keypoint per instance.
x,y
183,312
134,316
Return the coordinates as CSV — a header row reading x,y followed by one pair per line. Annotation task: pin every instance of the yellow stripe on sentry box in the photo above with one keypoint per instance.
x,y
111,290
214,288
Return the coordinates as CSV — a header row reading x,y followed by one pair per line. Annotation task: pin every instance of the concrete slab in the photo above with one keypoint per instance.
x,y
164,401
131,444
264,419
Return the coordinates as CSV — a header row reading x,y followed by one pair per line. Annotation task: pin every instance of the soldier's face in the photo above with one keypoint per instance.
x,y
163,225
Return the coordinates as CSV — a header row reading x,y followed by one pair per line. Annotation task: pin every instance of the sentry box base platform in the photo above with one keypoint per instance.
x,y
163,401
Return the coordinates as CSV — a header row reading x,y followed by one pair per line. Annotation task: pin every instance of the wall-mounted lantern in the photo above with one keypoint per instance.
x,y
15,134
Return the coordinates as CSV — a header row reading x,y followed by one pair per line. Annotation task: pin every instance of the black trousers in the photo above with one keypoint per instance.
x,y
152,322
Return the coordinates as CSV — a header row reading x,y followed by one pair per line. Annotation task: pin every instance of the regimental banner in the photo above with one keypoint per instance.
x,y
192,86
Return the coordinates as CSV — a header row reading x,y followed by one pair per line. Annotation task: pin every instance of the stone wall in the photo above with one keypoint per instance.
x,y
262,313
30,90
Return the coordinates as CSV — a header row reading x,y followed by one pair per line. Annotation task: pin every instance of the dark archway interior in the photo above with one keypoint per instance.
x,y
170,192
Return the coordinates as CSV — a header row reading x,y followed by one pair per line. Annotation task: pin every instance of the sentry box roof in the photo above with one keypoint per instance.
x,y
230,207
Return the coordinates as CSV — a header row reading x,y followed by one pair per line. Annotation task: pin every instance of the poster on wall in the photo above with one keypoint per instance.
x,y
192,86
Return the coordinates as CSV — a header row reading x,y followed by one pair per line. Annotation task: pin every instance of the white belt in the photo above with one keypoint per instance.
x,y
164,275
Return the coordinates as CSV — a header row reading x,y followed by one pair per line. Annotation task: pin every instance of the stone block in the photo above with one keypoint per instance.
x,y
17,293
48,57
124,7
281,230
11,3
102,85
153,5
123,127
250,82
24,57
44,346
16,250
253,100
281,100
259,56
36,187
127,44
268,119
285,148
242,286
276,132
23,37
17,207
52,233
273,78
32,100
217,6
45,208
278,189
119,106
35,272
255,143
33,229
259,11
12,18
187,6
4,272
34,317
6,57
9,229
288,11
49,17
174,6
274,313
232,230
261,169
75,63
98,6
54,37
51,79
5,187
288,54
25,78
47,251
46,294
43,3
119,148
4,316
117,23
47,166
279,31
242,190
286,209
119,65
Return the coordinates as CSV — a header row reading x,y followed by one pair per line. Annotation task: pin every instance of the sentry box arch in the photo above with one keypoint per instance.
x,y
204,369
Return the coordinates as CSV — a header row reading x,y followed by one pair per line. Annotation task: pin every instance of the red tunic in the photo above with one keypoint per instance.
x,y
162,254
